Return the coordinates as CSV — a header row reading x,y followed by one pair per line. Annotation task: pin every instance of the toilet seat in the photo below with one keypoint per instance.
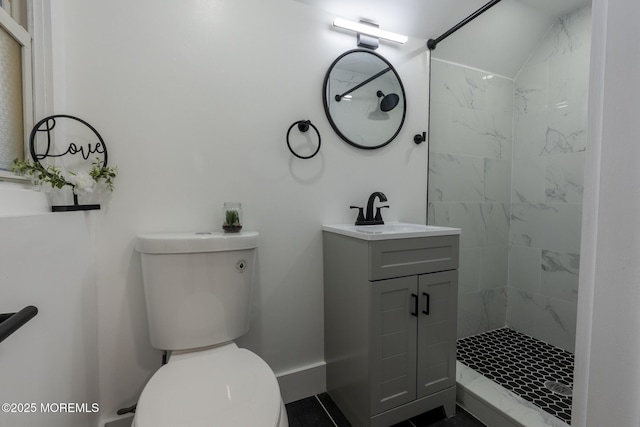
x,y
222,386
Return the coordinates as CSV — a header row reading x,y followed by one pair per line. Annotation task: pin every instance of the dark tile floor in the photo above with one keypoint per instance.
x,y
321,411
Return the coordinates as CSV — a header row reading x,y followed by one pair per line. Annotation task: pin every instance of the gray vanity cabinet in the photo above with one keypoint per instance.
x,y
390,326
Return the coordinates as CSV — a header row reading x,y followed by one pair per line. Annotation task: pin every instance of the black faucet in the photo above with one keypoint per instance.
x,y
369,219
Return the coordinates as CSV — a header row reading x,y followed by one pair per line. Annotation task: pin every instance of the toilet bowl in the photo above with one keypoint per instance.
x,y
221,386
197,292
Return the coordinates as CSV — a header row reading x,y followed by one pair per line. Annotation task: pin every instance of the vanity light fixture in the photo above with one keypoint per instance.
x,y
371,30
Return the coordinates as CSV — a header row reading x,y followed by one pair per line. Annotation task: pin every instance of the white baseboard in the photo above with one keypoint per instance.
x,y
302,382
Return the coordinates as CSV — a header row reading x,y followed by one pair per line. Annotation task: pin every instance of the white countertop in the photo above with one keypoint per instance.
x,y
390,230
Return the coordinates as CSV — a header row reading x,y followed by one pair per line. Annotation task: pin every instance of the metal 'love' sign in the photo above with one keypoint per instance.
x,y
48,140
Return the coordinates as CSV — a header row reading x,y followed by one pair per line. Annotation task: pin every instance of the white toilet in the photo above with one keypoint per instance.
x,y
198,291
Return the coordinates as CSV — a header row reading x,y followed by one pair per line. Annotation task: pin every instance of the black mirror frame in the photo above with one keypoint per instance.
x,y
326,105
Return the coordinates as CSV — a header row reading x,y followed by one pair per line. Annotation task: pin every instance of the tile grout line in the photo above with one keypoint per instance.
x,y
325,410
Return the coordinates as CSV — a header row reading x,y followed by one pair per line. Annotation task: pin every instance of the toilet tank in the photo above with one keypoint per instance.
x,y
197,286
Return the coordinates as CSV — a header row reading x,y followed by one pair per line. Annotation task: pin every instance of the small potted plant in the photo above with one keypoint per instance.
x,y
232,217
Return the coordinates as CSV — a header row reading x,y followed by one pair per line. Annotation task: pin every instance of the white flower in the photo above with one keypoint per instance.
x,y
82,181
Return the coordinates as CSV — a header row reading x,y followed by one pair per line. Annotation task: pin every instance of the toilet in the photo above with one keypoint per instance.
x,y
197,290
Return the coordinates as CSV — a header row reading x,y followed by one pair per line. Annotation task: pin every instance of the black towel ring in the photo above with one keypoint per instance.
x,y
303,126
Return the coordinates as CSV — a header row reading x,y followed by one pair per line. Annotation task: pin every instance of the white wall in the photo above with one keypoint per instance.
x,y
47,260
193,99
607,386
499,40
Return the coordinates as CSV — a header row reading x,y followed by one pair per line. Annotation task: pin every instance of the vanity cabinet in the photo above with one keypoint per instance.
x,y
390,310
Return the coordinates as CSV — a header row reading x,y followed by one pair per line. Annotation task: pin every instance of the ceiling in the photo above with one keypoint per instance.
x,y
500,40
555,8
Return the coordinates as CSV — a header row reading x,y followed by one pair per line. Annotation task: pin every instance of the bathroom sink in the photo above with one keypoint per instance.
x,y
391,230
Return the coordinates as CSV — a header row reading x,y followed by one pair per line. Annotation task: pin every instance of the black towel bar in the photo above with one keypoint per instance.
x,y
11,322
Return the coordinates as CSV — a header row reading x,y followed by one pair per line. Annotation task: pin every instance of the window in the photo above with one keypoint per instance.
x,y
17,9
16,104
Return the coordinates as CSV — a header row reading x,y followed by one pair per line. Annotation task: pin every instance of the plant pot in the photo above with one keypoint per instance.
x,y
231,228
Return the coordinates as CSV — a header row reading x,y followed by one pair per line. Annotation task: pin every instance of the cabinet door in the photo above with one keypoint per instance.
x,y
393,342
437,324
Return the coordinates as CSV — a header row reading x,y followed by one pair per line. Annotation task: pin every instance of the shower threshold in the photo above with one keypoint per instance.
x,y
505,379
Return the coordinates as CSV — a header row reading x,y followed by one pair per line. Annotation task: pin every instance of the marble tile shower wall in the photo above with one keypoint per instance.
x,y
470,150
506,164
549,144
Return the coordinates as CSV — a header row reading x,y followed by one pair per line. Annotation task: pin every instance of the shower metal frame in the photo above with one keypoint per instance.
x,y
432,43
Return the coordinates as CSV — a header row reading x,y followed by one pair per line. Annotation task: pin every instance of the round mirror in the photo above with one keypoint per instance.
x,y
364,99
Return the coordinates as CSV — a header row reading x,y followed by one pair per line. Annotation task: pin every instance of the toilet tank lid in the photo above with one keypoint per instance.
x,y
176,243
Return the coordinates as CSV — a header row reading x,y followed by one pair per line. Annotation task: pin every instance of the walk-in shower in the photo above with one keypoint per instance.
x,y
506,163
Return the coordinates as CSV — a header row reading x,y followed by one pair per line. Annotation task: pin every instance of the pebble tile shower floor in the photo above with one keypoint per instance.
x,y
536,371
